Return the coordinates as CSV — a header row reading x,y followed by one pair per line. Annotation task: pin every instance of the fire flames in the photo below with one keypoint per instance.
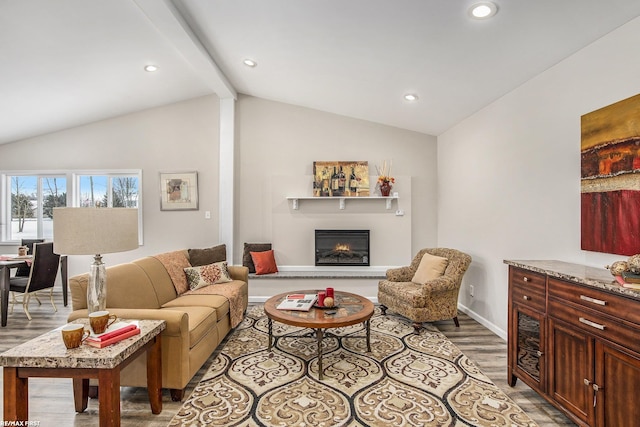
x,y
342,247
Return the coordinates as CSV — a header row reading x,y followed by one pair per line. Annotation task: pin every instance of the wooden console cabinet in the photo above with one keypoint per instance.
x,y
574,337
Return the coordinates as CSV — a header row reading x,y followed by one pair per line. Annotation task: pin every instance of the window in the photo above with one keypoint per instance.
x,y
109,190
32,201
31,196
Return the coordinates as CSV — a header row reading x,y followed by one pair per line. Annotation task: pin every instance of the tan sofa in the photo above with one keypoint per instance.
x,y
196,324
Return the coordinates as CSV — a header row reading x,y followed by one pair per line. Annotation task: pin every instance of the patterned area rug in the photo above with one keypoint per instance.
x,y
407,380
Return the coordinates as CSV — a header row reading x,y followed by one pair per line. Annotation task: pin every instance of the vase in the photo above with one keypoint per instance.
x,y
385,189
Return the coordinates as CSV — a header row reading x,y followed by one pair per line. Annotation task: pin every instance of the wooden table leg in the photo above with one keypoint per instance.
x,y
154,375
109,397
4,294
64,278
16,396
319,334
81,393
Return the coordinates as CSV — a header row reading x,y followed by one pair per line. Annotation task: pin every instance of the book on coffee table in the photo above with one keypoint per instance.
x,y
114,339
299,302
114,333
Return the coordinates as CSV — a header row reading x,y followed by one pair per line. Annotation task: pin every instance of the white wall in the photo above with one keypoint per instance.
x,y
176,137
509,176
278,144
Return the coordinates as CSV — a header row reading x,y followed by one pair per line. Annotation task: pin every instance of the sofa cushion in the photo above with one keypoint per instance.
x,y
217,302
265,262
204,275
198,257
247,261
430,267
159,277
128,286
201,321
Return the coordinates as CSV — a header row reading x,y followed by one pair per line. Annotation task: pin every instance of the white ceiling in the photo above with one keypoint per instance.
x,y
65,63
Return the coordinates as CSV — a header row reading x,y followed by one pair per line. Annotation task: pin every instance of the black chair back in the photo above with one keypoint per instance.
x,y
44,268
24,271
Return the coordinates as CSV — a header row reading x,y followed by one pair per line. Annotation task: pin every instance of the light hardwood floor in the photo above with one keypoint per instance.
x,y
51,400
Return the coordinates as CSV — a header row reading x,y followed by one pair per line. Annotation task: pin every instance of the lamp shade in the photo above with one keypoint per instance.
x,y
90,231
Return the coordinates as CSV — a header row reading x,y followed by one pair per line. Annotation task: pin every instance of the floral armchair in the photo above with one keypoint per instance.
x,y
436,299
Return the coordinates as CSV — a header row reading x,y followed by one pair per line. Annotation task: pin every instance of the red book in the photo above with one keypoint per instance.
x,y
112,340
113,331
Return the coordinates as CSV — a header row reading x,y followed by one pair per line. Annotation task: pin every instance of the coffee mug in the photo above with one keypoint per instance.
x,y
73,335
101,320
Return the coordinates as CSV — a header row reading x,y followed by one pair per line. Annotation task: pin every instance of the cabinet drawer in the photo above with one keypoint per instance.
x,y
528,297
596,324
603,302
527,280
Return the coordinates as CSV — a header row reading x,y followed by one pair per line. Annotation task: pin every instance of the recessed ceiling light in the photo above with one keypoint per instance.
x,y
483,10
249,62
410,97
151,68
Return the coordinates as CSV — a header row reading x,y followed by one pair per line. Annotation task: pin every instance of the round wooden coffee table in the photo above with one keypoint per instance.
x,y
350,309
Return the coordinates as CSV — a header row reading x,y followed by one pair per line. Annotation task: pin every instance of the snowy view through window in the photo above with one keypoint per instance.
x,y
34,197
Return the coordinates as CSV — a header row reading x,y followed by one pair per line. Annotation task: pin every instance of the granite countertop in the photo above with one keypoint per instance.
x,y
599,278
48,350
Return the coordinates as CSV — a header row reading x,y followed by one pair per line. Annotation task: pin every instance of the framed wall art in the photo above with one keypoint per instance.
x,y
341,179
178,191
610,184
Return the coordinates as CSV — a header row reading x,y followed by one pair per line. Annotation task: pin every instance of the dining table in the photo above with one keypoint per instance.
x,y
7,262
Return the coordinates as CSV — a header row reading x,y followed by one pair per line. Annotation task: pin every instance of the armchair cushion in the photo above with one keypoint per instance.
x,y
431,267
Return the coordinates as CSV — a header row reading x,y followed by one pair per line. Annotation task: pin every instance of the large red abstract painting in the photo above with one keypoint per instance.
x,y
610,184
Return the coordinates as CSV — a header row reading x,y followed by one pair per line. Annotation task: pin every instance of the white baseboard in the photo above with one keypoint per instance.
x,y
484,322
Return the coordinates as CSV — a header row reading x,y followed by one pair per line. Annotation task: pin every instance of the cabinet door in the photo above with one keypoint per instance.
x,y
571,366
617,381
528,347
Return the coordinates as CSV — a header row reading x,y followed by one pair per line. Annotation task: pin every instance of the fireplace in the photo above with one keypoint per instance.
x,y
342,247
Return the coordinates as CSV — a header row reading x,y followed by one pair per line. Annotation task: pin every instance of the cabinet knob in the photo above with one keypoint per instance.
x,y
526,297
525,278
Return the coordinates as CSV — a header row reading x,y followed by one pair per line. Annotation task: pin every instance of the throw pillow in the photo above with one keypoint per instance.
x,y
431,267
198,257
204,275
265,262
247,261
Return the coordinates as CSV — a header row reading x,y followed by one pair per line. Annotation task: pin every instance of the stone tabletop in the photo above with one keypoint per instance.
x,y
594,277
48,350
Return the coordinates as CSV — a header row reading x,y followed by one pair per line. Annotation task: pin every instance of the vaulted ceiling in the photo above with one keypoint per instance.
x,y
65,63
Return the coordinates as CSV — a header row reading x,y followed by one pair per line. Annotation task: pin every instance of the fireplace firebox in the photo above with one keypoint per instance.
x,y
342,247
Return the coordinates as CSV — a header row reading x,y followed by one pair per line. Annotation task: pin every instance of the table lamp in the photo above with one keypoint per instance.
x,y
95,231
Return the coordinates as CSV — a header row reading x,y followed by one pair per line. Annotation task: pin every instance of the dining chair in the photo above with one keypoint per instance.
x,y
24,271
44,270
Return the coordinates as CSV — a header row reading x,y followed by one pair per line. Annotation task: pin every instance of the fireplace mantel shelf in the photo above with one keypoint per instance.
x,y
341,200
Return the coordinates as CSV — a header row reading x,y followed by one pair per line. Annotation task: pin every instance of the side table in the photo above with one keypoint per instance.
x,y
47,356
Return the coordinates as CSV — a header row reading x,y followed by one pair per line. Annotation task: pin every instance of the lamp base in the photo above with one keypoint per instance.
x,y
97,286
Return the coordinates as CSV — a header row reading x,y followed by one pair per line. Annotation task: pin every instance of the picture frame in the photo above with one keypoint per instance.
x,y
178,191
341,179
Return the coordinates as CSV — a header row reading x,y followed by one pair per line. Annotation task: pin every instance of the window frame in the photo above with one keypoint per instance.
x,y
73,194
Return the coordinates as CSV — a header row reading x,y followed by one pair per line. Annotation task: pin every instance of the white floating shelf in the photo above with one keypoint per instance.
x,y
341,200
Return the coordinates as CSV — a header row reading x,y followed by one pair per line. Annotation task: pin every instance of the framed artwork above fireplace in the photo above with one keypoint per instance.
x,y
341,179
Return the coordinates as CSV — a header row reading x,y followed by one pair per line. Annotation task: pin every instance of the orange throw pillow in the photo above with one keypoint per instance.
x,y
265,262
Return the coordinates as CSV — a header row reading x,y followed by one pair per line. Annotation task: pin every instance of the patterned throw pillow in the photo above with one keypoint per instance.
x,y
210,274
